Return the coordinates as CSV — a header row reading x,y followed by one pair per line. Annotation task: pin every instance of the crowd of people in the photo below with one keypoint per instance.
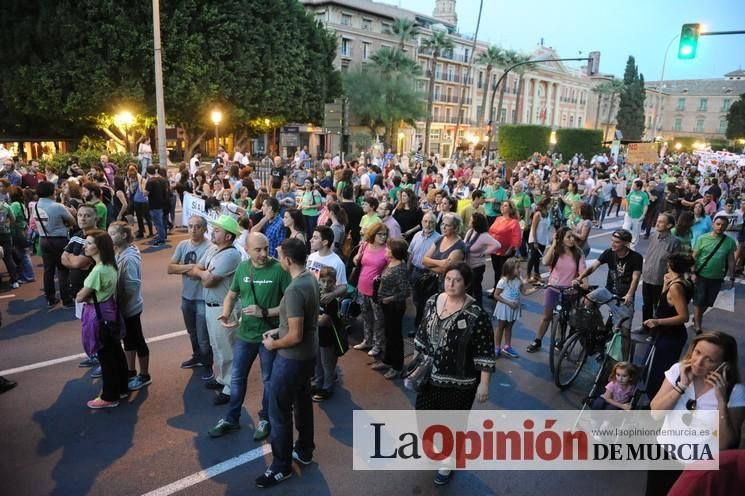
x,y
295,246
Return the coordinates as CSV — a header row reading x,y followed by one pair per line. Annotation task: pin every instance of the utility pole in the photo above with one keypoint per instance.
x,y
159,103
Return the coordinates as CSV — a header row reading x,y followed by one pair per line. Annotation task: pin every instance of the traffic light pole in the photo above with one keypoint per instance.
x,y
501,78
659,90
717,33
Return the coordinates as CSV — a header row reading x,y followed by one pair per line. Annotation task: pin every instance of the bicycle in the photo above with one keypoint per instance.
x,y
591,337
560,327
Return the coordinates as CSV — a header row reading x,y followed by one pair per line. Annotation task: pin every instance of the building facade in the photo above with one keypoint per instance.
x,y
549,93
693,107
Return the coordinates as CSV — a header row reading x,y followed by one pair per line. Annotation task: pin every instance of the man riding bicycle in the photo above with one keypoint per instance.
x,y
624,273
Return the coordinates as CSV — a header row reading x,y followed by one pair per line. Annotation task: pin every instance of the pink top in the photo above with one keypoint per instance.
x,y
373,263
565,270
507,231
621,394
484,245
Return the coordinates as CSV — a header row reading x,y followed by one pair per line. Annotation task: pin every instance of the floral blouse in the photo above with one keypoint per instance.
x,y
394,281
461,344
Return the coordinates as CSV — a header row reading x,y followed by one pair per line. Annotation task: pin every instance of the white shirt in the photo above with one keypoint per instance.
x,y
193,165
708,400
316,262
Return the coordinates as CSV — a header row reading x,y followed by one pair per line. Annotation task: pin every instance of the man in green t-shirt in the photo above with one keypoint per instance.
x,y
714,253
494,195
523,204
92,194
260,282
637,204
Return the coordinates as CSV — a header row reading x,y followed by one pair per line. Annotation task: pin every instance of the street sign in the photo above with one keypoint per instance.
x,y
641,153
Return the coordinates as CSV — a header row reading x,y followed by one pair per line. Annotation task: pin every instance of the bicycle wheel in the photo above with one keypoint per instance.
x,y
558,335
571,359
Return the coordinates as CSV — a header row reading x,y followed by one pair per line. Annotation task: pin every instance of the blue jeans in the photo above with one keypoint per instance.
x,y
289,392
144,163
160,228
244,354
196,326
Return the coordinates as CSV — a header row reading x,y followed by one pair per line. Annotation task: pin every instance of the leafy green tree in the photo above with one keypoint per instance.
x,y
511,58
736,119
630,117
569,141
438,42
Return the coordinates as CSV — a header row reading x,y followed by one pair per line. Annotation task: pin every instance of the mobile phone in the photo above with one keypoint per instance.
x,y
722,368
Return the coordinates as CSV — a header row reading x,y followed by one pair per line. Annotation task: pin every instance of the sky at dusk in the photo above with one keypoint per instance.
x,y
642,28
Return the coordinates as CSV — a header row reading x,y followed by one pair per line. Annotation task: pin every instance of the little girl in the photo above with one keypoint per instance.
x,y
620,389
508,291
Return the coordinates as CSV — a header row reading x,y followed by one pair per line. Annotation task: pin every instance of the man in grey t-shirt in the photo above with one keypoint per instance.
x,y
297,341
187,254
216,269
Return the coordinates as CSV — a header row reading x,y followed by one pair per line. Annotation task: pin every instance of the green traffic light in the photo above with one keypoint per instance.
x,y
688,41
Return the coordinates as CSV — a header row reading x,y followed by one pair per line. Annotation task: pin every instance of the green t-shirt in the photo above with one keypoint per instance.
x,y
498,195
393,192
269,283
522,203
716,267
310,198
569,200
368,220
637,201
21,222
102,279
103,215
301,299
685,241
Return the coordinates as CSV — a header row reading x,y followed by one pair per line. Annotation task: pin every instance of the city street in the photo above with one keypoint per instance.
x,y
156,442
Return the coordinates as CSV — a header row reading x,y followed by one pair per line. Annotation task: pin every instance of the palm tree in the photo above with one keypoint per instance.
x,y
521,72
608,88
392,63
491,57
404,29
438,42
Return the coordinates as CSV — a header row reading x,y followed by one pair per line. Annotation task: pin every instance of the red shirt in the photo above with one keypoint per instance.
x,y
507,231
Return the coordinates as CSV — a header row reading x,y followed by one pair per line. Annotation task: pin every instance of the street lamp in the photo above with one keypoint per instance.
x,y
216,119
659,90
124,119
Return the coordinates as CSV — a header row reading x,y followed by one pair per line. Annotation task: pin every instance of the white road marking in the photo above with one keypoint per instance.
x,y
70,358
211,472
726,300
3,297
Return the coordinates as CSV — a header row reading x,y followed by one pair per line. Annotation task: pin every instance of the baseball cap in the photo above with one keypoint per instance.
x,y
622,235
226,223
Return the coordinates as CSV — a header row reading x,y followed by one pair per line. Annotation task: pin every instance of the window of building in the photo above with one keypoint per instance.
x,y
681,105
722,126
367,24
699,125
365,50
725,104
434,134
514,115
346,20
385,27
447,114
481,79
678,124
503,115
703,104
571,121
579,121
346,47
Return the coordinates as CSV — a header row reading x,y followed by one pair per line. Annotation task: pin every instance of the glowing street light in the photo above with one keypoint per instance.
x,y
678,146
124,119
216,119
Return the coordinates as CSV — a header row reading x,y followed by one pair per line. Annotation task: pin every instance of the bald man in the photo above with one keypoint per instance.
x,y
260,282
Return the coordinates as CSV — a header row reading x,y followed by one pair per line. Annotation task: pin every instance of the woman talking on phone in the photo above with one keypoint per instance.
x,y
706,379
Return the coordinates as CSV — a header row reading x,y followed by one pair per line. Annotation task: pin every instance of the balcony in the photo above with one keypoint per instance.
x,y
446,55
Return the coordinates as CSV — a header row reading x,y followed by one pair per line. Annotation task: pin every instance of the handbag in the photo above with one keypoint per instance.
x,y
354,277
108,328
418,372
427,284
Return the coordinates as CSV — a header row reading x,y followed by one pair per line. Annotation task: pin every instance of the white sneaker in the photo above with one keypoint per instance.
x,y
15,285
374,351
362,346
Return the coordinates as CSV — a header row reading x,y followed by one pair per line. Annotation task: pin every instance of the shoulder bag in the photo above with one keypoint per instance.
x,y
354,277
106,328
706,260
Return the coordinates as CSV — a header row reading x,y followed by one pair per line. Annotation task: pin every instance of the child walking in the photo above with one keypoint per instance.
x,y
509,289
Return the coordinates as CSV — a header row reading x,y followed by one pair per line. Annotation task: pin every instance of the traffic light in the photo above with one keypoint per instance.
x,y
688,41
593,64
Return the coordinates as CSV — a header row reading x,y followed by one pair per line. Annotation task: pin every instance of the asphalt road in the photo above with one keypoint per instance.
x,y
157,441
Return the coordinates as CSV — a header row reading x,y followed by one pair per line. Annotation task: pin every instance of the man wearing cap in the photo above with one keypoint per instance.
x,y
624,273
260,283
215,269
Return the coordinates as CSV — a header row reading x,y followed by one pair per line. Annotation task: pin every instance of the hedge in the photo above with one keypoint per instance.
x,y
588,142
87,158
520,142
